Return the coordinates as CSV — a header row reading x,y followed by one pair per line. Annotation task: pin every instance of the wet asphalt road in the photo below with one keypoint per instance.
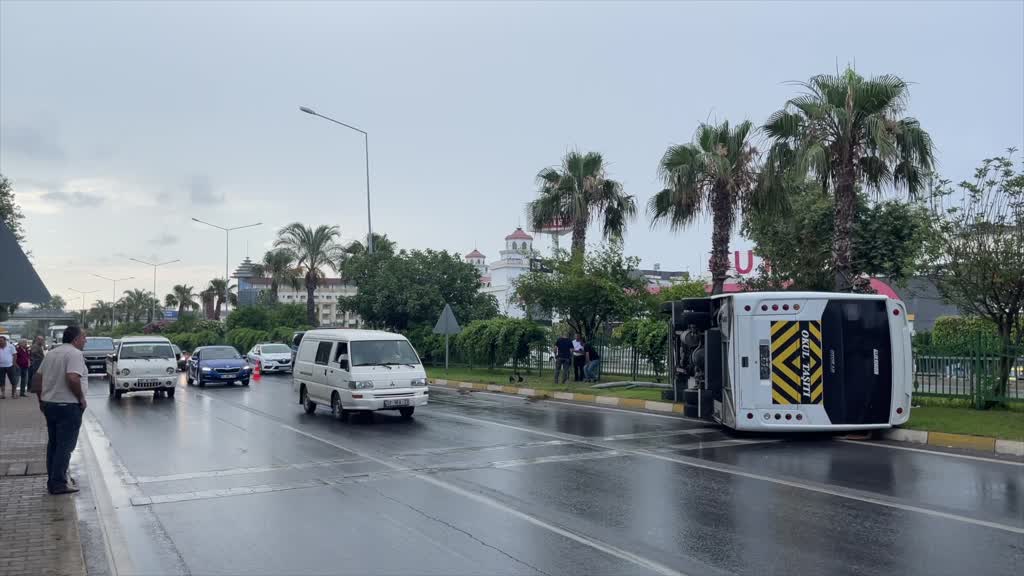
x,y
233,480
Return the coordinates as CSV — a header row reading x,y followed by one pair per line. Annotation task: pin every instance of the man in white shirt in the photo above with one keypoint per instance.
x,y
61,383
7,368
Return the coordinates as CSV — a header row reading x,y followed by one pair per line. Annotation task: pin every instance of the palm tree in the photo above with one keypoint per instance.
x,y
314,249
578,192
715,173
848,132
279,266
101,312
208,297
381,245
135,303
217,287
183,298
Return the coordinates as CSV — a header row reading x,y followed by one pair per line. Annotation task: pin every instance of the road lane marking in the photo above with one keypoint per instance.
x,y
223,493
242,471
698,445
725,469
935,452
564,458
660,434
462,449
480,498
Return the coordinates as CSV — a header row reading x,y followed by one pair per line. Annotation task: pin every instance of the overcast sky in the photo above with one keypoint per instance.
x,y
121,121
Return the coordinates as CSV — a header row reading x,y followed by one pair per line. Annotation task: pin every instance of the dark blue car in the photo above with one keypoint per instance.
x,y
217,364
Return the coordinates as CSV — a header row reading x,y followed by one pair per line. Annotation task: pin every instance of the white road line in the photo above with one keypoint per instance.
x,y
480,498
660,434
471,449
935,452
565,458
707,465
698,445
243,471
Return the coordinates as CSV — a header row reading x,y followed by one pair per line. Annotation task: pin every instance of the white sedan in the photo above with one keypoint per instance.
x,y
271,357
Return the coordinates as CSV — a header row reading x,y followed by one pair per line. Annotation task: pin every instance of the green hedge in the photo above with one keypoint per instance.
x,y
964,335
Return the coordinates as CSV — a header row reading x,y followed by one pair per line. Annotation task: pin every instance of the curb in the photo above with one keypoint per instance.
x,y
608,401
943,439
964,441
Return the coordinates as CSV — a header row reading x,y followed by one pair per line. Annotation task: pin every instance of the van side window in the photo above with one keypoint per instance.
x,y
323,353
342,349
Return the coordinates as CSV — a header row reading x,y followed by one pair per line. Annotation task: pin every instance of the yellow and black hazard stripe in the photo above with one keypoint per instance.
x,y
796,362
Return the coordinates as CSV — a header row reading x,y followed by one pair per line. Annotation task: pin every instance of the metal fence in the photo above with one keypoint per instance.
x,y
977,374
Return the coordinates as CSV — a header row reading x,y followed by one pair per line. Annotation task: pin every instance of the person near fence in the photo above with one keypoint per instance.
x,y
592,369
578,358
563,357
8,368
24,361
62,383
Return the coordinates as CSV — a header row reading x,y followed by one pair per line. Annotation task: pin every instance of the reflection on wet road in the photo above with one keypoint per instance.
x,y
239,480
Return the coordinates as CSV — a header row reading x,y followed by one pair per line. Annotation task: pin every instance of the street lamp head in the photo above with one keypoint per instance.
x,y
307,110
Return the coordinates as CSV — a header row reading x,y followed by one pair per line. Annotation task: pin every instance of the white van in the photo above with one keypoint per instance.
x,y
358,370
142,363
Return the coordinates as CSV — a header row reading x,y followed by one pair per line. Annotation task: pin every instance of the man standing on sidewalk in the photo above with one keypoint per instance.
x,y
8,371
563,358
62,382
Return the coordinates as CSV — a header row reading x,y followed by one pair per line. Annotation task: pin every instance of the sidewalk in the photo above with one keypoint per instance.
x,y
38,532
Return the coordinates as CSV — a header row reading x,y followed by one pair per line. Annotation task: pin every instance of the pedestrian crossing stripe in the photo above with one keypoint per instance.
x,y
796,362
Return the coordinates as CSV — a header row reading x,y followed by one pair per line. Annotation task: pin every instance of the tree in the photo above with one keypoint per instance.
x,y
848,132
10,212
982,243
208,297
715,173
410,288
279,266
136,304
586,294
890,239
578,192
56,303
648,338
314,249
182,296
217,287
101,313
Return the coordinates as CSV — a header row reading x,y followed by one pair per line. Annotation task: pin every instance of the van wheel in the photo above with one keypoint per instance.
x,y
170,393
308,405
110,389
337,411
117,394
407,412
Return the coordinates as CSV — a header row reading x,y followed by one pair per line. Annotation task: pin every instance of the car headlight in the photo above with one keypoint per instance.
x,y
125,372
419,381
244,369
171,370
205,368
360,384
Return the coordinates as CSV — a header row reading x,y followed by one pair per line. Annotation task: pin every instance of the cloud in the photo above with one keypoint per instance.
x,y
201,192
165,239
75,198
31,141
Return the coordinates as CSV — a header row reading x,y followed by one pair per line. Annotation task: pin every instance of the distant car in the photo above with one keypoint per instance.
x,y
271,357
222,364
96,351
180,357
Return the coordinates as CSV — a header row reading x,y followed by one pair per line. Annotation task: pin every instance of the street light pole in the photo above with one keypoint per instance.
x,y
227,236
155,266
366,146
113,296
83,301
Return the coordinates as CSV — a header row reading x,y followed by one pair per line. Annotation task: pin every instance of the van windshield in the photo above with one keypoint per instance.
x,y
383,353
146,351
99,344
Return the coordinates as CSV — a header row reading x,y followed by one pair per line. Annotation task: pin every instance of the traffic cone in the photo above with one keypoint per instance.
x,y
256,373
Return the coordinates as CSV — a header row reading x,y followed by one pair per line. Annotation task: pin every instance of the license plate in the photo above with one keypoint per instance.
x,y
228,375
395,403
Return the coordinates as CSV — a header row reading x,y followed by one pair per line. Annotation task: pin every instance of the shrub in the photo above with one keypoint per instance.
x,y
282,334
964,335
245,338
288,316
497,341
253,317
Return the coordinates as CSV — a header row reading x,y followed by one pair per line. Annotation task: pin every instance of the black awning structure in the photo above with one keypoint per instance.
x,y
18,279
